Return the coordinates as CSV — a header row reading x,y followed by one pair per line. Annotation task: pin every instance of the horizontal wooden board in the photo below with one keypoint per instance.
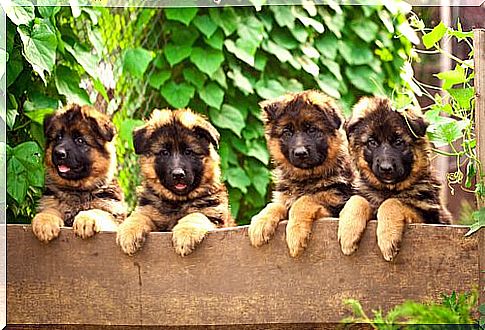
x,y
227,281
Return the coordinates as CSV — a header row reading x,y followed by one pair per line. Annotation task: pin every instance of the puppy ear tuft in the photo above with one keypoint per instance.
x,y
140,140
206,130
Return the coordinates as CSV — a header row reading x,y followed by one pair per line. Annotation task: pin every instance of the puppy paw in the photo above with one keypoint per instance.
x,y
84,224
46,226
130,237
352,223
261,229
185,239
348,238
297,235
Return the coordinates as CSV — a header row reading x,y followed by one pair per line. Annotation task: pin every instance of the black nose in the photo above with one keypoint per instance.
x,y
300,152
61,153
386,167
178,174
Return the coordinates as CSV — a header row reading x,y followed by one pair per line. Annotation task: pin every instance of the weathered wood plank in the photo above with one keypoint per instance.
x,y
227,281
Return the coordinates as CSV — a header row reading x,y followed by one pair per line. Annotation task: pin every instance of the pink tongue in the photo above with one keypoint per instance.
x,y
63,168
180,186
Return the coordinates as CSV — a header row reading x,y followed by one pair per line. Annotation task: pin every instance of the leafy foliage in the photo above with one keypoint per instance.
x,y
453,309
218,61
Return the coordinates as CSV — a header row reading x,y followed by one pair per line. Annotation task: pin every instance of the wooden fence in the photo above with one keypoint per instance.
x,y
226,281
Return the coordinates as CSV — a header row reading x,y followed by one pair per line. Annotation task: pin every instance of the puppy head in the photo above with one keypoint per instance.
x,y
80,151
302,130
178,152
387,146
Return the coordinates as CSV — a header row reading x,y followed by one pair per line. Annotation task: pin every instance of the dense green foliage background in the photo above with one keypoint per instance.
x,y
218,61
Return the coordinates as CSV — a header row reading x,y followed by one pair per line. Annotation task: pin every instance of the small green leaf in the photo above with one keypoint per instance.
x,y
259,175
447,132
435,35
258,150
205,25
327,45
284,39
183,36
67,83
308,65
355,53
328,84
158,78
178,96
281,53
452,77
241,81
242,49
126,131
39,45
333,67
226,18
212,95
216,40
176,54
136,61
15,65
85,58
463,96
184,15
207,60
269,89
194,76
364,78
283,16
228,117
237,178
365,29
19,11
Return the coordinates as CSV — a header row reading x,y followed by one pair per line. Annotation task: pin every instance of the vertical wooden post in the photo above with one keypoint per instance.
x,y
479,84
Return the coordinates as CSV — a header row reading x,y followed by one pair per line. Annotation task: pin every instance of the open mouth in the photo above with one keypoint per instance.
x,y
63,168
180,186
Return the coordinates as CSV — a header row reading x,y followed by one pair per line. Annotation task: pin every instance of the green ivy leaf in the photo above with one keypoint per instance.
x,y
452,77
216,40
435,35
269,89
299,33
355,53
178,96
212,95
333,67
365,29
67,83
283,16
479,217
19,11
241,81
448,132
284,39
328,84
242,49
136,61
195,77
184,15
228,117
281,53
207,60
260,176
158,78
226,18
39,46
335,23
176,54
15,65
327,46
85,58
24,168
364,78
205,25
258,150
183,36
237,178
46,9
463,96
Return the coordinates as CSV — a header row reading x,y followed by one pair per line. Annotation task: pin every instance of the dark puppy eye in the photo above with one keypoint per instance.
x,y
59,137
372,143
80,140
398,142
164,152
287,131
311,129
188,152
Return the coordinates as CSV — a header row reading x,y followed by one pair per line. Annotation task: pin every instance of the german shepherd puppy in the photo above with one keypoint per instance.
x,y
80,161
312,171
181,190
394,181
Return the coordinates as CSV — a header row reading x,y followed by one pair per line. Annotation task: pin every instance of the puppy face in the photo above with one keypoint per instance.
x,y
301,128
79,147
178,151
384,146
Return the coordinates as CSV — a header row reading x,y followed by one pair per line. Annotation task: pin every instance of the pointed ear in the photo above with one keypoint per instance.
x,y
417,124
350,125
206,130
331,115
140,140
48,123
104,128
270,109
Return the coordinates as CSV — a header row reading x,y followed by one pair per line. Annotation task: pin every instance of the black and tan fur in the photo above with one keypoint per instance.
x,y
177,136
304,190
92,201
412,197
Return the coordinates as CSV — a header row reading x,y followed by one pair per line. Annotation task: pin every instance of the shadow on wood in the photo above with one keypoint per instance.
x,y
226,281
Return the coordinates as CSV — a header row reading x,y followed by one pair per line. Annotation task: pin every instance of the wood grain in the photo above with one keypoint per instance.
x,y
226,281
